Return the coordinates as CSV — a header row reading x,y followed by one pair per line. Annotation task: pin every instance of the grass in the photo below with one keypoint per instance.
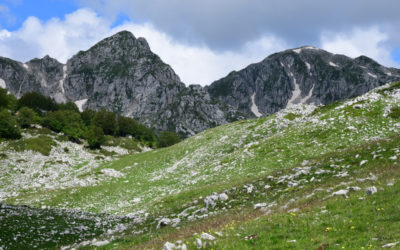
x,y
339,224
242,210
342,140
124,142
41,144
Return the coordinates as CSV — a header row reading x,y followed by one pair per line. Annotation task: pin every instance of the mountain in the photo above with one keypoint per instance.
x,y
302,75
122,74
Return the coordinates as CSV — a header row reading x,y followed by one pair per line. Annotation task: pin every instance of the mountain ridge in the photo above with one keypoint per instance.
x,y
122,74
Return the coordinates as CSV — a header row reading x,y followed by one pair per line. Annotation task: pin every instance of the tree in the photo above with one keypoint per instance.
x,y
105,120
127,126
37,102
167,139
95,137
68,106
26,117
8,126
66,121
3,98
87,116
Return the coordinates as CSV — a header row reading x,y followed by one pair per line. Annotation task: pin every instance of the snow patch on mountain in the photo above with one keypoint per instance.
x,y
296,92
2,84
334,65
254,107
80,104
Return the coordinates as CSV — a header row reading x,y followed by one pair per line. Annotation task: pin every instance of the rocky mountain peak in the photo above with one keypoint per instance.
x,y
122,74
301,75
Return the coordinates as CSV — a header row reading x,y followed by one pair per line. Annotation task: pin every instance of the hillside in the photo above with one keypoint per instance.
x,y
295,172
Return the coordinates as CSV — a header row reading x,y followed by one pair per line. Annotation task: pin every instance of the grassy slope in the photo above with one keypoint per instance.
x,y
167,180
227,155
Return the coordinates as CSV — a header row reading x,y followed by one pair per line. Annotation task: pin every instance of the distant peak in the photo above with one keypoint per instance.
x,y
124,33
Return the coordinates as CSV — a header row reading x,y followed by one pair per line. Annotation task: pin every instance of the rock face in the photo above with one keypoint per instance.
x,y
40,75
123,75
302,75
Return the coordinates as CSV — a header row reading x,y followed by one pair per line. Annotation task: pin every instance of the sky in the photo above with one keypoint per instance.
x,y
203,40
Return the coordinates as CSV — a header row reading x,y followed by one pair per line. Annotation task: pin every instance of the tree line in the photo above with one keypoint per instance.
x,y
34,108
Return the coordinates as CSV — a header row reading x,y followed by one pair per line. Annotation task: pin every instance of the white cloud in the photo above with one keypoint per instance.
x,y
369,42
82,29
57,38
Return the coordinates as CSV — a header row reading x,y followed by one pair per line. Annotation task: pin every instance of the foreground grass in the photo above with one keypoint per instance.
x,y
339,224
280,227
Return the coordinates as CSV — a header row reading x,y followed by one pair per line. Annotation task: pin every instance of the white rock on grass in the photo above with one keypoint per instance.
x,y
211,201
169,246
223,197
390,244
199,243
260,205
97,243
206,236
343,192
163,222
355,188
371,190
249,188
112,172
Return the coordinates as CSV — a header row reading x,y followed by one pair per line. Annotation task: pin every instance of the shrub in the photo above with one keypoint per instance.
x,y
66,121
395,112
26,117
95,137
41,144
87,116
37,102
127,126
105,120
3,98
167,139
8,126
68,106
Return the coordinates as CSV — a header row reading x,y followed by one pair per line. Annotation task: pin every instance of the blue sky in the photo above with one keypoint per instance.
x,y
20,10
203,40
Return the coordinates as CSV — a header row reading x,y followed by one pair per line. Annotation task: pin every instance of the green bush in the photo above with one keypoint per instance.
x,y
105,120
87,116
37,102
8,126
127,126
395,112
68,106
41,144
167,139
3,98
26,117
95,137
66,121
